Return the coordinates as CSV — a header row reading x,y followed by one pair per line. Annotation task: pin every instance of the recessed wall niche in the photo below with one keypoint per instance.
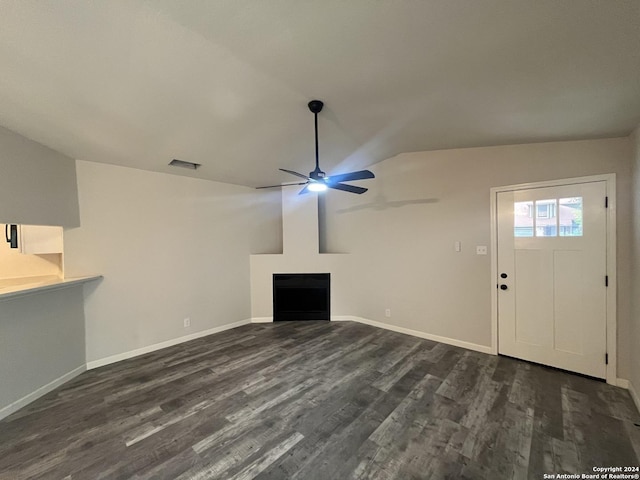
x,y
38,252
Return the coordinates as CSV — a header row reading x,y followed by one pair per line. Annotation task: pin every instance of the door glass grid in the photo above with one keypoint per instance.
x,y
550,217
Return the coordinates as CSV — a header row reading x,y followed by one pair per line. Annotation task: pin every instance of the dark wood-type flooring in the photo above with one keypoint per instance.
x,y
320,400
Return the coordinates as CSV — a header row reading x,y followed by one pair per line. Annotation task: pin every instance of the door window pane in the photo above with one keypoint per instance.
x,y
523,219
570,217
546,221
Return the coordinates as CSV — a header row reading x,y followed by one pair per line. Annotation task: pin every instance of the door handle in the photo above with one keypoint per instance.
x,y
503,287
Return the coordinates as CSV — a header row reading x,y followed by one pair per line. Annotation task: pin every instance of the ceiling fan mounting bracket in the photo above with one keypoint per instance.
x,y
316,106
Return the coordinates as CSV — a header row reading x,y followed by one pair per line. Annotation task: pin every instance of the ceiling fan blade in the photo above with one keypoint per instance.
x,y
294,173
347,188
304,190
282,185
347,177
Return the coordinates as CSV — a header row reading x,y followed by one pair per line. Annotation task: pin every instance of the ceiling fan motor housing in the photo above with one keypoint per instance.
x,y
317,175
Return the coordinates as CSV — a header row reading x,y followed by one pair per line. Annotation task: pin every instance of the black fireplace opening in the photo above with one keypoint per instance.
x,y
301,296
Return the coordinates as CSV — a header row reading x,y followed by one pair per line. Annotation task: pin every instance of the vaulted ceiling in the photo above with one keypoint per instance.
x,y
225,83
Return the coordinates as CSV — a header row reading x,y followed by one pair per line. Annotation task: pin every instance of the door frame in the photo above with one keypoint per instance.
x,y
611,321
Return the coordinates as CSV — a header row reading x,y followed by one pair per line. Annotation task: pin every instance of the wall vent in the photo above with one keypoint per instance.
x,y
181,163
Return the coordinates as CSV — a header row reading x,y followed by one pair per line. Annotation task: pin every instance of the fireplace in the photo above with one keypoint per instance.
x,y
301,296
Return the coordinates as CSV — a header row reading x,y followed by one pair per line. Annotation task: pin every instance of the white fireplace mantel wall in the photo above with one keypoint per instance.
x,y
264,266
300,254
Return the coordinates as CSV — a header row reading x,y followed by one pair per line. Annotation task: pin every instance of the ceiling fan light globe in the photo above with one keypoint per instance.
x,y
317,187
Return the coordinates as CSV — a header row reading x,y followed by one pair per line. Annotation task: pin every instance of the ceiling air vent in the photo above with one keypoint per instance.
x,y
181,163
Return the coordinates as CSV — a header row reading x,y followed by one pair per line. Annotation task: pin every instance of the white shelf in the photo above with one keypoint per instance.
x,y
15,287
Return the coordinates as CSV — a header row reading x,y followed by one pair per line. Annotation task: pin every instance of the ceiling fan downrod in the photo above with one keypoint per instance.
x,y
316,107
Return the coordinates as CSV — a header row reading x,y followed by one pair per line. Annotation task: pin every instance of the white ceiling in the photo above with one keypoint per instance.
x,y
225,83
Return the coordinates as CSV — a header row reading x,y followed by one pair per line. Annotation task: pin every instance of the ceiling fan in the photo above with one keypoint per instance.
x,y
317,180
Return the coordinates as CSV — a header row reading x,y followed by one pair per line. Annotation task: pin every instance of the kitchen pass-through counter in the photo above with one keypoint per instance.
x,y
15,287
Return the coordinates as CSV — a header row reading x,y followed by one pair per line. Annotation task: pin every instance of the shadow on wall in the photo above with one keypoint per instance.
x,y
380,202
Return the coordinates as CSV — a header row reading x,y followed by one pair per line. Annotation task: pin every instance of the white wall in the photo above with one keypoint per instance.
x,y
402,233
169,247
41,335
41,341
300,254
634,341
37,184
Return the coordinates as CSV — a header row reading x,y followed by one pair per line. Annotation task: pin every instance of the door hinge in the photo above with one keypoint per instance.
x,y
606,280
606,202
606,359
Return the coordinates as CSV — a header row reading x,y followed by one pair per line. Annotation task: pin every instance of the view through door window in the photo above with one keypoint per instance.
x,y
551,217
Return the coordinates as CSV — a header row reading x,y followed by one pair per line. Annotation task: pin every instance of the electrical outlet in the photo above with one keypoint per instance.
x,y
387,313
481,250
187,322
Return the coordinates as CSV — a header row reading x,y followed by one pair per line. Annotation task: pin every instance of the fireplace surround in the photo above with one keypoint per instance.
x,y
301,296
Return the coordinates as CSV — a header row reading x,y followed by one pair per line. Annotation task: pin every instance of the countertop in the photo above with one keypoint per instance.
x,y
14,287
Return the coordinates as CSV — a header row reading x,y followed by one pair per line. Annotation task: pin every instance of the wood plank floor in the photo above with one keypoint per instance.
x,y
320,400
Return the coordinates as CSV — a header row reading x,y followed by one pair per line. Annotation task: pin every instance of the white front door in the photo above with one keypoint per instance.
x,y
552,253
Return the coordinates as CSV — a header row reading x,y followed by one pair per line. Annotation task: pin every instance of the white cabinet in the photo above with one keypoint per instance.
x,y
40,240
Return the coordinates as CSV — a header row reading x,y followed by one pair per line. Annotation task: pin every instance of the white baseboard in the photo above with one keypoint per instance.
x,y
345,318
27,399
262,320
626,384
428,336
157,346
622,383
634,394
